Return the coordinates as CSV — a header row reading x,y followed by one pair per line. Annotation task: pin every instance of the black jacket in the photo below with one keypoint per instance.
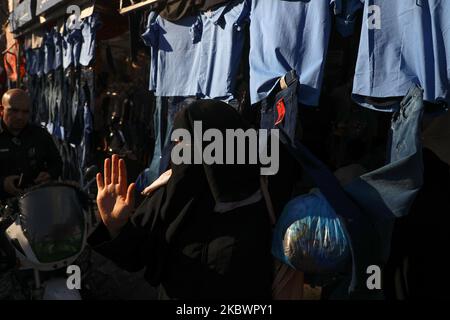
x,y
217,256
30,153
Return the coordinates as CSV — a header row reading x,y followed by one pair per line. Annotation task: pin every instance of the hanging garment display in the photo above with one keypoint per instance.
x,y
89,28
199,55
294,35
403,43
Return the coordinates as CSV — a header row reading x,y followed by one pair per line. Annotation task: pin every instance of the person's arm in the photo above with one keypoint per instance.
x,y
8,187
129,249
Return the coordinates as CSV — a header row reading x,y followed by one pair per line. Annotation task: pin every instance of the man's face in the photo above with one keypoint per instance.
x,y
16,115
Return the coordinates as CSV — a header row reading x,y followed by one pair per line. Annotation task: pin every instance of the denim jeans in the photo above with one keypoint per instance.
x,y
34,87
165,111
388,193
50,90
50,96
58,44
58,101
66,103
89,30
49,52
71,47
87,101
76,112
81,129
69,155
280,110
42,105
88,86
86,144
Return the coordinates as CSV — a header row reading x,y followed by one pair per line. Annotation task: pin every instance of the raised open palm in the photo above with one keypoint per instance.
x,y
115,199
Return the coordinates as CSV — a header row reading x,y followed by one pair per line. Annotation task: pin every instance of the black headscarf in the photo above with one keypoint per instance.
x,y
227,183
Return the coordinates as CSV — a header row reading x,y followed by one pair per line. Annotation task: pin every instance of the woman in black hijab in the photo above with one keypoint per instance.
x,y
204,235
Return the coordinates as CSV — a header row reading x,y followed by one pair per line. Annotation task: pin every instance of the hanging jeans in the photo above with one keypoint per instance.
x,y
87,101
164,116
57,102
34,89
49,97
53,90
76,111
86,147
388,193
66,105
280,109
88,86
42,100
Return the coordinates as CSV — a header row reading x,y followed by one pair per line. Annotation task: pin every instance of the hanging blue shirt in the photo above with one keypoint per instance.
x,y
294,35
197,55
412,47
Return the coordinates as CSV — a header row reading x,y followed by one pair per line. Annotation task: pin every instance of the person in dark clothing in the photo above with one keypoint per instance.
x,y
417,268
28,154
204,234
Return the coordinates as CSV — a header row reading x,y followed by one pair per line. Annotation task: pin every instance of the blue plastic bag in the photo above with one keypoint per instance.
x,y
310,237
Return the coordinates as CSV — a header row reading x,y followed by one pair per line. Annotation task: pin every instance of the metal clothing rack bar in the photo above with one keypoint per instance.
x,y
135,6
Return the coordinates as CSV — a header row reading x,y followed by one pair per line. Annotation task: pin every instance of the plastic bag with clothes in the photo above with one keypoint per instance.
x,y
310,237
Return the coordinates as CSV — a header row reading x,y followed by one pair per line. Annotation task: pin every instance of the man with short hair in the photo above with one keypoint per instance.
x,y
28,154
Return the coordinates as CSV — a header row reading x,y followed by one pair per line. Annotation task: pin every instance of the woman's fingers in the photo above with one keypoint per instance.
x,y
107,171
167,175
130,195
115,169
161,181
154,186
100,182
123,180
147,191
